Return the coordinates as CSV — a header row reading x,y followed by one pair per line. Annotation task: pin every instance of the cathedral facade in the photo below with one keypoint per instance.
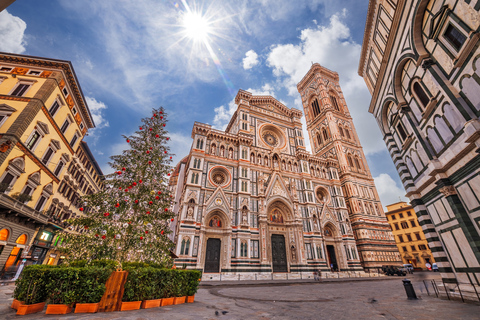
x,y
251,199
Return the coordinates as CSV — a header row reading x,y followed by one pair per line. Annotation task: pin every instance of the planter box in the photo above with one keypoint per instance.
x,y
58,309
146,304
131,305
190,299
86,307
167,302
16,303
30,308
179,300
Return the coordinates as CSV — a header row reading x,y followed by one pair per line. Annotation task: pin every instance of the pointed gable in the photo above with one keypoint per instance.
x,y
218,201
277,187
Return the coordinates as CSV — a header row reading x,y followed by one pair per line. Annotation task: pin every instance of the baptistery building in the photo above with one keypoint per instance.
x,y
251,199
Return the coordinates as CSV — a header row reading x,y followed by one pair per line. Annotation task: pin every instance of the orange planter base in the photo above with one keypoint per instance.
x,y
167,302
58,309
30,308
146,304
132,305
179,300
16,303
190,299
86,307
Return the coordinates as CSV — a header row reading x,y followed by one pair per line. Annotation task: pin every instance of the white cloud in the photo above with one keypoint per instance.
x,y
333,48
224,113
12,31
250,60
388,190
96,108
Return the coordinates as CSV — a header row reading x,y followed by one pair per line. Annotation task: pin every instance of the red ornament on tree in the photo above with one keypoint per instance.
x,y
172,219
141,128
151,129
161,232
119,172
166,209
96,235
161,117
170,158
148,151
148,212
117,205
126,190
134,183
161,112
154,114
86,227
136,201
106,214
149,162
157,197
141,238
168,174
168,138
156,136
128,141
103,237
124,168
151,202
81,209
166,152
140,181
146,231
159,192
164,124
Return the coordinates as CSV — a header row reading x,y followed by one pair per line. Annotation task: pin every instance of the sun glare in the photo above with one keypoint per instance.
x,y
196,26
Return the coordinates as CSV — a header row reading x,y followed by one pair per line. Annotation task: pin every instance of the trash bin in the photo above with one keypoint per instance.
x,y
409,289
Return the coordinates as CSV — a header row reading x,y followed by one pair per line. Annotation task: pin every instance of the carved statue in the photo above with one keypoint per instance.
x,y
190,213
294,253
230,153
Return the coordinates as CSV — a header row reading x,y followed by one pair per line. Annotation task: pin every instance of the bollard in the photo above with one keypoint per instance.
x,y
409,289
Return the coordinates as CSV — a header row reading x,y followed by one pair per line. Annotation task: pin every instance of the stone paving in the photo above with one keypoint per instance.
x,y
376,298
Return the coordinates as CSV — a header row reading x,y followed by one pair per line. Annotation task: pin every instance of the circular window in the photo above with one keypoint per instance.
x,y
322,195
219,176
272,136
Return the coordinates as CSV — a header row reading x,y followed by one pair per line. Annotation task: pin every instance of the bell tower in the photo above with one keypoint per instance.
x,y
332,134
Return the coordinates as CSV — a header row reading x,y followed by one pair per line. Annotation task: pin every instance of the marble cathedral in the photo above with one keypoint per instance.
x,y
251,199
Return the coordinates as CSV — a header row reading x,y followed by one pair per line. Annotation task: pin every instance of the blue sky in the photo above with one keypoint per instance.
x,y
131,56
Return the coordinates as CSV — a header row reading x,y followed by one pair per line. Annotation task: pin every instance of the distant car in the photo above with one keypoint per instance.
x,y
434,267
408,267
394,270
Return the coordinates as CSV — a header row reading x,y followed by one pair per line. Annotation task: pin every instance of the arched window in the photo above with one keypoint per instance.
x,y
182,248
187,246
266,161
319,139
421,94
341,130
350,161
222,151
315,108
334,102
4,234
347,132
325,134
357,164
22,239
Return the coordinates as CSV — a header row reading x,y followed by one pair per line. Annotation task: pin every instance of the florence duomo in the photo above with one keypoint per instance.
x,y
252,200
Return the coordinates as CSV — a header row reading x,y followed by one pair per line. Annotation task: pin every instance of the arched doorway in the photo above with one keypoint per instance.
x,y
332,259
278,229
214,244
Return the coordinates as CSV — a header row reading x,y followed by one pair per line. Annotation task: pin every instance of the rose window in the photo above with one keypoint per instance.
x,y
219,176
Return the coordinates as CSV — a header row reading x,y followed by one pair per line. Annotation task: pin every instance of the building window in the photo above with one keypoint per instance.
x,y
409,237
54,108
65,125
33,141
5,112
412,222
454,37
254,248
59,168
401,131
404,249
404,225
47,156
417,235
315,108
74,111
413,248
340,129
422,247
400,215
34,72
421,94
243,249
393,217
65,92
308,248
74,140
234,248
41,202
400,238
409,213
396,226
21,89
334,102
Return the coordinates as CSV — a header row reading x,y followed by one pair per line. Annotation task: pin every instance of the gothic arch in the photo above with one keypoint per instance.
x,y
225,221
277,202
389,106
397,78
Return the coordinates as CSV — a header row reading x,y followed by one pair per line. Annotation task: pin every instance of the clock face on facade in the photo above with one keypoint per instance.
x,y
270,138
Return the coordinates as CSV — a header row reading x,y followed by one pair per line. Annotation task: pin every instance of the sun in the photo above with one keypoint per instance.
x,y
196,26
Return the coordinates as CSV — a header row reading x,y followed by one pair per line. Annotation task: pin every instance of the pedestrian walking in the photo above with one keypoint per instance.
x,y
315,276
319,274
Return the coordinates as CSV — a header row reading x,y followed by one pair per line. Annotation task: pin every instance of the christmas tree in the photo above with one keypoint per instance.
x,y
129,220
